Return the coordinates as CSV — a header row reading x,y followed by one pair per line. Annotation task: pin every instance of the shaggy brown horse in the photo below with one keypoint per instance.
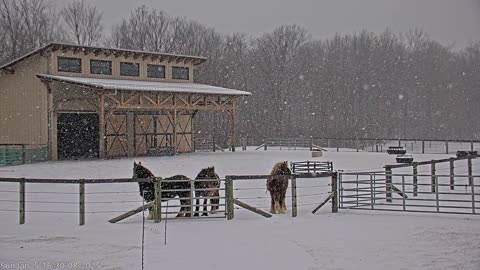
x,y
147,190
210,189
277,184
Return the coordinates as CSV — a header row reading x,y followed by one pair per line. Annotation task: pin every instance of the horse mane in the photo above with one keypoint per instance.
x,y
281,168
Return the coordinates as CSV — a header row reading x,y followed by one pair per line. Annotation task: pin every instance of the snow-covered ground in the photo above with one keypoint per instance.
x,y
346,240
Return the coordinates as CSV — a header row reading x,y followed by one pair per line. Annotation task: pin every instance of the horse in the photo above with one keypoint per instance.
x,y
277,184
147,189
207,189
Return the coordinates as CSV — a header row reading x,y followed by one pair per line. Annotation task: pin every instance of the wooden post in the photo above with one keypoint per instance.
x,y
399,143
233,127
175,142
472,186
335,193
404,195
101,126
433,171
446,147
311,143
213,144
131,134
22,201
294,196
157,206
229,197
192,195
388,182
452,174
437,200
423,147
82,203
265,146
415,179
470,178
471,146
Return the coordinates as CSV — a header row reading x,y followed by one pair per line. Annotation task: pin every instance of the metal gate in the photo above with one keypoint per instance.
x,y
410,192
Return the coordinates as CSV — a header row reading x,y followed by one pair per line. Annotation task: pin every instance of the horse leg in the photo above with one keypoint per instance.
x,y
150,213
283,205
272,204
216,201
205,210
185,210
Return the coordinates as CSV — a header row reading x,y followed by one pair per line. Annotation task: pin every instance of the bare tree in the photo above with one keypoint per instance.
x,y
84,23
26,25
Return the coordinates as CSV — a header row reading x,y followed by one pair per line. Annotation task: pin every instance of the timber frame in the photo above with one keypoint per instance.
x,y
111,103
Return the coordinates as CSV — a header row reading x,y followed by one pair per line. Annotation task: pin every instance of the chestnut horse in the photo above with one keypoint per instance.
x,y
277,184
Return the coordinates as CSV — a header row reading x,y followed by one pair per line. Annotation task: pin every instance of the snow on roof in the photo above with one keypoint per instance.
x,y
112,84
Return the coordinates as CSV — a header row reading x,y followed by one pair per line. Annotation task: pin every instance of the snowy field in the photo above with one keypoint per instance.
x,y
346,240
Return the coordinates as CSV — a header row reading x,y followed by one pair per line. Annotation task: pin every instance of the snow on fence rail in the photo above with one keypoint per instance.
x,y
48,197
235,192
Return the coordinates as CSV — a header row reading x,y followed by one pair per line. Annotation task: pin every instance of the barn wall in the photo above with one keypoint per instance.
x,y
23,104
85,59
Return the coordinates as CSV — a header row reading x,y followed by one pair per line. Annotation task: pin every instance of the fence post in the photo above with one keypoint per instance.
x,y
335,193
157,207
452,174
471,146
192,195
403,189
22,201
311,143
399,143
294,196
82,202
265,146
433,170
436,194
415,179
470,179
446,147
229,197
388,182
423,147
213,143
473,195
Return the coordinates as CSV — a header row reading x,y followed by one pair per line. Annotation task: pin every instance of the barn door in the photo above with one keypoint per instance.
x,y
144,133
116,135
184,133
164,130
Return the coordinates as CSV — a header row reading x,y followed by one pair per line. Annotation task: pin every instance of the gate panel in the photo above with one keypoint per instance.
x,y
116,135
164,134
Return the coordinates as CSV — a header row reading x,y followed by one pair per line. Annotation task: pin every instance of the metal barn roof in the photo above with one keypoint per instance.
x,y
153,86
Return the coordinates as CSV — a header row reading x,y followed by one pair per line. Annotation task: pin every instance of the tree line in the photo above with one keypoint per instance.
x,y
359,85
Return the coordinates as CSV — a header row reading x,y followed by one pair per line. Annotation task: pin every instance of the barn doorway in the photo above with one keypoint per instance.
x,y
77,135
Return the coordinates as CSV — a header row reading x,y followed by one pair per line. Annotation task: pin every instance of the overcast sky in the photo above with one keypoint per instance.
x,y
448,21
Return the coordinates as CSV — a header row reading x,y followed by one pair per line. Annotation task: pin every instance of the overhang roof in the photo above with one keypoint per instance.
x,y
152,86
196,60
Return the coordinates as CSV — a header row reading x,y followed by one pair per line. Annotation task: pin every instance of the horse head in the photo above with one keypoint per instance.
x,y
139,171
281,168
207,173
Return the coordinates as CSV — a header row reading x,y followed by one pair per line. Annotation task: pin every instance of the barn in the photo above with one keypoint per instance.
x,y
66,101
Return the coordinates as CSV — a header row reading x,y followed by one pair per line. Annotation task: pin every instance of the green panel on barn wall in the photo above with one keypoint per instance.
x,y
10,155
16,154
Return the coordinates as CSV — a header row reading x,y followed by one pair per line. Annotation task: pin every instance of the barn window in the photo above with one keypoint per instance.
x,y
156,71
129,69
101,67
68,64
180,73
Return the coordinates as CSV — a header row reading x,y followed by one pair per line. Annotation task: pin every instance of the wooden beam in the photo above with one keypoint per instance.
x,y
251,208
131,213
101,124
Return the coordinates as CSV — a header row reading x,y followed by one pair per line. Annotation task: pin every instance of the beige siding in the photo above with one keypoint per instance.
x,y
23,104
85,59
